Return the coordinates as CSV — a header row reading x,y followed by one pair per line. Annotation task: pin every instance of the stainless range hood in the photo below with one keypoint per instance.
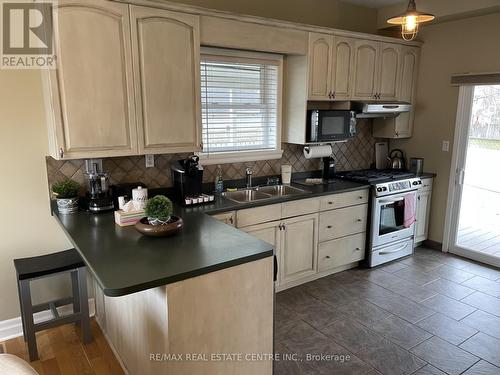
x,y
374,109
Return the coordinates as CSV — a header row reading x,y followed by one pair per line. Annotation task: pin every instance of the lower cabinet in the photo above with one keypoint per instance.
x,y
424,195
341,251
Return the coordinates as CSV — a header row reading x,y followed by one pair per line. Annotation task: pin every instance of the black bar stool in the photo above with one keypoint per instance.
x,y
29,269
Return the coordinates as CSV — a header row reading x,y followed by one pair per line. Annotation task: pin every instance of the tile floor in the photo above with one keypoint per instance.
x,y
430,313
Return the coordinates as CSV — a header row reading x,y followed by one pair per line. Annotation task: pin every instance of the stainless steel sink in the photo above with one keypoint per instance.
x,y
281,190
264,192
246,196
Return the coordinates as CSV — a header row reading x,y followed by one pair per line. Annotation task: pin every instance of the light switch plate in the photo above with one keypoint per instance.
x,y
446,146
150,161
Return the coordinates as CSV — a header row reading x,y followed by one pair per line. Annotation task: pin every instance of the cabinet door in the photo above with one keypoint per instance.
x,y
320,66
166,53
343,67
389,71
270,233
91,113
423,212
366,69
299,247
407,90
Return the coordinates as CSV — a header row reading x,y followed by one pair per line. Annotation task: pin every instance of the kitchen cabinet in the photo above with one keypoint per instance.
x,y
342,222
166,56
342,68
90,96
127,81
228,218
366,69
299,247
320,66
341,251
402,125
424,195
389,68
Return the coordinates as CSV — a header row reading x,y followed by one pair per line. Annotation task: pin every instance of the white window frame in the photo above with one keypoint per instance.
x,y
253,155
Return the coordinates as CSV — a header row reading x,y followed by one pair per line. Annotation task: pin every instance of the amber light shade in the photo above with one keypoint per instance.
x,y
410,21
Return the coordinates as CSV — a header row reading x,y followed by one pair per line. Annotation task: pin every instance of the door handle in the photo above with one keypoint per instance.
x,y
394,251
461,176
384,201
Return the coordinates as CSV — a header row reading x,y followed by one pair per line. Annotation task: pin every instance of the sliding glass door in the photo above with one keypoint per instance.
x,y
476,210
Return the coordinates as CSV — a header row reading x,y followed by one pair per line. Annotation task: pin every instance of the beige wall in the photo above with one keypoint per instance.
x,y
469,45
26,226
328,13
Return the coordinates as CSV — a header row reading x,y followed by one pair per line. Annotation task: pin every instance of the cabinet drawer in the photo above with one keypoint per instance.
x,y
226,217
300,207
342,222
426,184
257,215
351,198
342,251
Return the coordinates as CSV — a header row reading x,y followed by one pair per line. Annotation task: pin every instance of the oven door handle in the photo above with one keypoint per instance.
x,y
385,201
394,251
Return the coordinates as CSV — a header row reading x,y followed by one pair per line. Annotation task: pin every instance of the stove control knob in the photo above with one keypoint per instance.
x,y
384,189
379,189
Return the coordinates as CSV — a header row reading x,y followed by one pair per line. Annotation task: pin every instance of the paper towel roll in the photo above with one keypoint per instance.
x,y
311,152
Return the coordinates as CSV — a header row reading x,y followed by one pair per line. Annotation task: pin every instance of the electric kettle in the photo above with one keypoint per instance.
x,y
396,159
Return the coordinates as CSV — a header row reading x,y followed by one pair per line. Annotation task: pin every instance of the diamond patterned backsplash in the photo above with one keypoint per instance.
x,y
356,153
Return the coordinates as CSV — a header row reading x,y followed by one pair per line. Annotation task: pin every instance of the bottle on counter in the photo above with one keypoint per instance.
x,y
219,182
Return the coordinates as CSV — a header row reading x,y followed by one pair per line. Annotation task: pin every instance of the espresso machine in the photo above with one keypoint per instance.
x,y
99,197
187,177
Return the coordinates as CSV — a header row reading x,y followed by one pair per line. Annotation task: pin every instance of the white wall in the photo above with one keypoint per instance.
x,y
26,226
468,45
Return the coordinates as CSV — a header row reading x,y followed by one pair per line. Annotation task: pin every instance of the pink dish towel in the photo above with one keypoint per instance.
x,y
410,209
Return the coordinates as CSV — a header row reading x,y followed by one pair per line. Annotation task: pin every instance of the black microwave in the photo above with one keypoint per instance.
x,y
330,125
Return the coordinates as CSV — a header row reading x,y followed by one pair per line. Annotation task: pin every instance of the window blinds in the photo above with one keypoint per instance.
x,y
239,100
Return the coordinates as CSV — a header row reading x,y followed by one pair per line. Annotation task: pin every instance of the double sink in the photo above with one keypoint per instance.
x,y
264,192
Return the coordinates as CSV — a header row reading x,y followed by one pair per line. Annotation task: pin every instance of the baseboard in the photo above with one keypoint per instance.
x,y
433,245
12,328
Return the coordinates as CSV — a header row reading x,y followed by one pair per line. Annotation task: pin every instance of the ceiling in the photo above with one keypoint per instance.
x,y
374,3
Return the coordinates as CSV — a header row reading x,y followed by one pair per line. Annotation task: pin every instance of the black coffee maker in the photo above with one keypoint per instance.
x,y
187,176
328,168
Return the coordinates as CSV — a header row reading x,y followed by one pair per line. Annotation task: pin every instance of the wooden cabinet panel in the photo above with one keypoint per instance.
x,y
343,67
299,247
389,77
320,63
300,207
167,80
351,198
92,105
343,222
342,251
365,72
257,215
423,212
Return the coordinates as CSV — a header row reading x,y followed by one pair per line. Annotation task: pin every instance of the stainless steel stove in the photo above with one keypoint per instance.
x,y
393,194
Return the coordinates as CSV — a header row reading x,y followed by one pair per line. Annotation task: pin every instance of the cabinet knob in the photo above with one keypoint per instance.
x,y
231,220
329,226
327,257
333,95
360,197
330,202
359,220
61,152
358,249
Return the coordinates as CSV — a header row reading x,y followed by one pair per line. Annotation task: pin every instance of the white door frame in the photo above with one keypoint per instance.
x,y
459,155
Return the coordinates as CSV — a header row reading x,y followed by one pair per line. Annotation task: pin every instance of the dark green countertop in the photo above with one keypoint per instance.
x,y
123,261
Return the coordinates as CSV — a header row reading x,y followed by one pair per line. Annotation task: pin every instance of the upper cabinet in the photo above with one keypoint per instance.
x,y
343,68
126,83
389,71
166,53
320,66
366,57
91,106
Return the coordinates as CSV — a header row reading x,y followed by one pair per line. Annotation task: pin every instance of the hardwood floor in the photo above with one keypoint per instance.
x,y
62,352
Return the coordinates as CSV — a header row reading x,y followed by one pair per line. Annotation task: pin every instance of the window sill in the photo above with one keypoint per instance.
x,y
239,157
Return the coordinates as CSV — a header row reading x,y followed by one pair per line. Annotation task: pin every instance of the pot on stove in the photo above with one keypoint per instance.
x,y
396,159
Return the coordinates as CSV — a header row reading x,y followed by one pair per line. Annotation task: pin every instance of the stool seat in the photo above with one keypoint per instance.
x,y
12,365
43,265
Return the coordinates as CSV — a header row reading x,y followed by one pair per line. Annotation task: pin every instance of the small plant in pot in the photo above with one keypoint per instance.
x,y
158,210
66,193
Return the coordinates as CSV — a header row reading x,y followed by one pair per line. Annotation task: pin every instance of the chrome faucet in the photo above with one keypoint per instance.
x,y
248,177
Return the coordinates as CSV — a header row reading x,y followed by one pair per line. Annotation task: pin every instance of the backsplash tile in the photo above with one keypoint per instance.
x,y
356,153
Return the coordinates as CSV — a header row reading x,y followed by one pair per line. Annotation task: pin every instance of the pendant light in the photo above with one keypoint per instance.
x,y
410,20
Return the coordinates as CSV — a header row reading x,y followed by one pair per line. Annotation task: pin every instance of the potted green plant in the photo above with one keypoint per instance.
x,y
66,194
158,210
159,221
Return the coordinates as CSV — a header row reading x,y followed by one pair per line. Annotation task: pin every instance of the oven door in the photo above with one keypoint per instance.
x,y
388,219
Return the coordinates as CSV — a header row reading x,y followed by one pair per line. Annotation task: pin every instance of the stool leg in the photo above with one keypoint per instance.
x,y
21,307
84,305
76,291
29,325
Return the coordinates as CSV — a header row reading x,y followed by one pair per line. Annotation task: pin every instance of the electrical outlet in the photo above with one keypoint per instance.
x,y
446,146
150,161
